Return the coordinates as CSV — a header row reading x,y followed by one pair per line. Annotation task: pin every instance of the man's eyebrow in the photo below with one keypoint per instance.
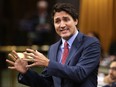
x,y
56,18
112,67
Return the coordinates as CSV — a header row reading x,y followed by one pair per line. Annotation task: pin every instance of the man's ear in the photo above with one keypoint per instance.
x,y
76,22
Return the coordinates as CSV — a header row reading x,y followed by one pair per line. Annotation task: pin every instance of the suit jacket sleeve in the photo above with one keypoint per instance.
x,y
34,79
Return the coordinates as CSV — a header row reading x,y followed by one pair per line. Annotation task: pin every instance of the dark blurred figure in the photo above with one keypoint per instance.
x,y
112,48
110,79
3,28
111,54
39,26
95,34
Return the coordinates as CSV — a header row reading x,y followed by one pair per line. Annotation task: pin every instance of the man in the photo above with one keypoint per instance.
x,y
73,65
38,25
110,79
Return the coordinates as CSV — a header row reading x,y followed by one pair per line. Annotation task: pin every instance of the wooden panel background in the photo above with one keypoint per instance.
x,y
97,16
114,20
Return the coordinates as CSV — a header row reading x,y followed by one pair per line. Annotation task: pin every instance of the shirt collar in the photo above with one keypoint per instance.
x,y
70,41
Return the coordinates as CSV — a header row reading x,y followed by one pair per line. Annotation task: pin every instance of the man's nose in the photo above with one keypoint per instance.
x,y
110,71
62,24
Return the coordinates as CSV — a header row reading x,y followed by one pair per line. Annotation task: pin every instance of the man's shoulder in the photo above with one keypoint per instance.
x,y
87,39
90,39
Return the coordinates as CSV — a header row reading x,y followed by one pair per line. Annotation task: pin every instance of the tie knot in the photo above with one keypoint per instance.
x,y
65,44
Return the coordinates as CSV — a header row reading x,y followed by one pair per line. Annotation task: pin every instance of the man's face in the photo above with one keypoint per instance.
x,y
64,24
112,70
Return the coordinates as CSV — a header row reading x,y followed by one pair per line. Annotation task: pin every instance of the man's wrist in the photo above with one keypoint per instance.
x,y
47,63
24,71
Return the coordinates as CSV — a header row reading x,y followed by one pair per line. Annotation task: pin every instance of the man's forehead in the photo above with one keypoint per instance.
x,y
61,15
113,64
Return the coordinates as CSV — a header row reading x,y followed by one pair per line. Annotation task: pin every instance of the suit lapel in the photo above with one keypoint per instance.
x,y
75,46
55,50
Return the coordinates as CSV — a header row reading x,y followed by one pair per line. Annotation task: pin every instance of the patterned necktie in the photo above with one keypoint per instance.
x,y
65,53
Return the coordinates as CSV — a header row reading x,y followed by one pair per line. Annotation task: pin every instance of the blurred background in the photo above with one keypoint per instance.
x,y
27,24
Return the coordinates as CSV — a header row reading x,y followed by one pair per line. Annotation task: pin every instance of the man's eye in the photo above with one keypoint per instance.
x,y
57,21
66,19
113,68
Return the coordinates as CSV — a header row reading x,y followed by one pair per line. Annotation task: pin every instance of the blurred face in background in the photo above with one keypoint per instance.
x,y
112,70
64,24
42,6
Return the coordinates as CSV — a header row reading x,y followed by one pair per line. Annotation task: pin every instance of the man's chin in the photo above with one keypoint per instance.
x,y
65,36
113,78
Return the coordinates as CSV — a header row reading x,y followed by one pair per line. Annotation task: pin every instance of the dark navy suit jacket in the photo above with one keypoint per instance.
x,y
80,69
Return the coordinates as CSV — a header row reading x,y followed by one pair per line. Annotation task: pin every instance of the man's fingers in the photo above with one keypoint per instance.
x,y
10,62
15,54
29,54
12,57
29,60
11,67
31,65
31,51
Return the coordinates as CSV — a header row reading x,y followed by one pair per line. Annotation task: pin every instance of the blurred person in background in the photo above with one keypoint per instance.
x,y
112,50
73,61
95,34
3,28
38,25
111,55
110,79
